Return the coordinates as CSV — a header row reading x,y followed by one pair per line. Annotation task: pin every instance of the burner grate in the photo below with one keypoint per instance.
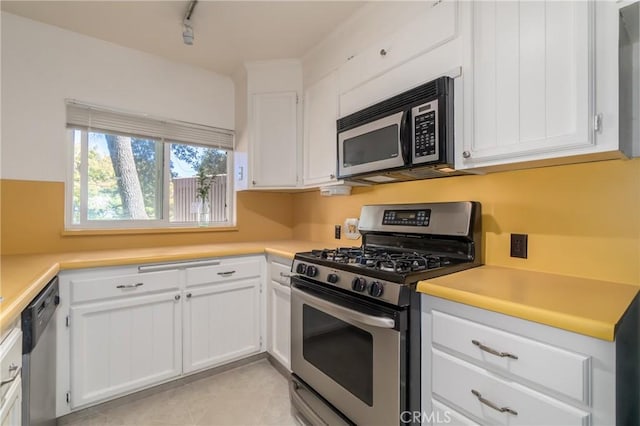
x,y
383,260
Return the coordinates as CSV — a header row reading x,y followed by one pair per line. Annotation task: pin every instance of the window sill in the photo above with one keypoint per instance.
x,y
146,231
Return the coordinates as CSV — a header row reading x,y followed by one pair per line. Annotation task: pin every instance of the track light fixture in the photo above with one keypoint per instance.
x,y
187,28
187,32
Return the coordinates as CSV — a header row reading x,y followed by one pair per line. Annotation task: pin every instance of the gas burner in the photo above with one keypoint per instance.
x,y
339,255
405,263
379,259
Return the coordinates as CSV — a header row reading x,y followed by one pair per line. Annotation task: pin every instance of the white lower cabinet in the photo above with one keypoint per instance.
x,y
494,400
123,329
446,415
279,311
11,408
489,368
11,388
221,323
123,345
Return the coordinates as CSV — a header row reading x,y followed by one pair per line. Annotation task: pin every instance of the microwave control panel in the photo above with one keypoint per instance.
x,y
425,132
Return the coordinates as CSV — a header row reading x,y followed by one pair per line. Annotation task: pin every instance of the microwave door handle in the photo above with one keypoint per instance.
x,y
405,137
374,321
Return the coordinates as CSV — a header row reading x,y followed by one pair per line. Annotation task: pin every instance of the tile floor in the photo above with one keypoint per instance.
x,y
252,394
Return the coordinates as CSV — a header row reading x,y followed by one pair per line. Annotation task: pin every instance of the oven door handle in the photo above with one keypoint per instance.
x,y
374,321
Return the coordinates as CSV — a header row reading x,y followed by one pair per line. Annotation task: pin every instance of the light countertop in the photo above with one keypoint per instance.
x,y
590,307
23,276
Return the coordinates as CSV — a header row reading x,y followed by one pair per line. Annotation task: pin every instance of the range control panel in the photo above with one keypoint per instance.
x,y
407,217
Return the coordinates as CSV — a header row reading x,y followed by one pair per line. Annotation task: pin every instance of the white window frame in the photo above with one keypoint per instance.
x,y
125,224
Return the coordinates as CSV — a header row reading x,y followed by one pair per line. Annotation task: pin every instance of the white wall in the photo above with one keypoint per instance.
x,y
42,65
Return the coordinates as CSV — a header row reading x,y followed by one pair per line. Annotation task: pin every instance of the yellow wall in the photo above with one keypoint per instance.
x,y
32,221
582,220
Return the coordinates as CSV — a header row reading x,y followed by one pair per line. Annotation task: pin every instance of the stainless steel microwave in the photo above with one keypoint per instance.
x,y
406,137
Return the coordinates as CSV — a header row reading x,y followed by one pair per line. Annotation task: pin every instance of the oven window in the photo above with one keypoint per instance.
x,y
340,350
380,144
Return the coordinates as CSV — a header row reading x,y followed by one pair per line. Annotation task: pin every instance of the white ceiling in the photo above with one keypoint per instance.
x,y
227,33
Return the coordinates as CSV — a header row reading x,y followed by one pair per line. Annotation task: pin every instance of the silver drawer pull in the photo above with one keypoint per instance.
x,y
226,274
283,275
493,351
492,405
130,285
17,370
177,265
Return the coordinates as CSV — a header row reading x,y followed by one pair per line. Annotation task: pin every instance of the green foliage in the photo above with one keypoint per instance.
x,y
104,200
211,163
145,155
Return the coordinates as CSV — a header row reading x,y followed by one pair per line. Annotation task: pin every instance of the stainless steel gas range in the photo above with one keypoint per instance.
x,y
355,314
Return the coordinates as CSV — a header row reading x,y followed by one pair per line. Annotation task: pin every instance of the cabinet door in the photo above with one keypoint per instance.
x,y
280,322
11,407
530,85
221,323
124,345
274,140
433,24
320,114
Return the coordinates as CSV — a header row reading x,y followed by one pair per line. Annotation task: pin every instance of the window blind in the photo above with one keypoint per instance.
x,y
95,118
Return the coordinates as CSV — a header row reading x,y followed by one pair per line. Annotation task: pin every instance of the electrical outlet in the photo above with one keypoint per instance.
x,y
337,232
519,245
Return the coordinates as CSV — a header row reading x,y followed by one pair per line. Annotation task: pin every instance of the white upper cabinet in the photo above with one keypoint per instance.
x,y
319,143
529,83
274,140
434,23
394,65
269,130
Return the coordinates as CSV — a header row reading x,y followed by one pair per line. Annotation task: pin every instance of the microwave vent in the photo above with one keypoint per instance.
x,y
430,173
397,103
425,173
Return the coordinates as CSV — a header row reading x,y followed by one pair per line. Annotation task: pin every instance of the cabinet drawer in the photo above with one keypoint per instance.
x,y
280,272
442,414
227,270
84,290
475,390
10,360
557,369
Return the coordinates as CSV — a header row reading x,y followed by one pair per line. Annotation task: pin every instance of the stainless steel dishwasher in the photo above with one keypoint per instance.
x,y
39,358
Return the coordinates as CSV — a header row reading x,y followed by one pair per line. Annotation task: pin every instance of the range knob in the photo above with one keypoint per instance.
x,y
359,284
333,278
312,271
376,289
301,268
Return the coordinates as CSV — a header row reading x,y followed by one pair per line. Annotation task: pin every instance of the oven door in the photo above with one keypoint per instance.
x,y
372,147
349,354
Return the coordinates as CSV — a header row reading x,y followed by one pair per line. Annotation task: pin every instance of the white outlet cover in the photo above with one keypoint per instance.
x,y
351,228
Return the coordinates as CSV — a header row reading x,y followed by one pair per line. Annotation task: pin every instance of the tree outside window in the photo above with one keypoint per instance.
x,y
131,179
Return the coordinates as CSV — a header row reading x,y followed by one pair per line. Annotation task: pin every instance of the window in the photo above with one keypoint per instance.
x,y
133,171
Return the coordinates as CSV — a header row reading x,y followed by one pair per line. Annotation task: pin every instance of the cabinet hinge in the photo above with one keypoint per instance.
x,y
597,122
68,321
68,397
297,99
260,341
